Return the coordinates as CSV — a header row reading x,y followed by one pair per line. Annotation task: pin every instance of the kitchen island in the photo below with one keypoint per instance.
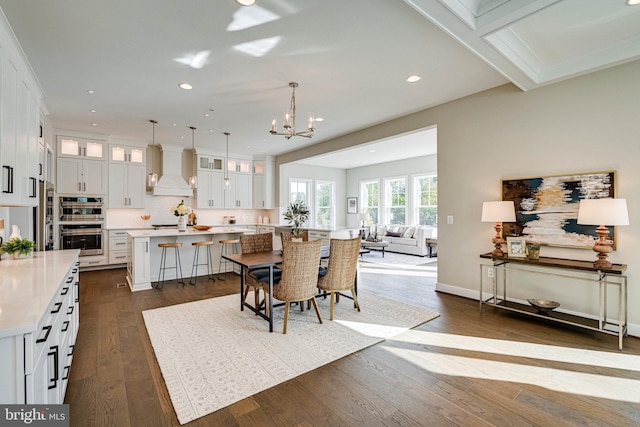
x,y
144,254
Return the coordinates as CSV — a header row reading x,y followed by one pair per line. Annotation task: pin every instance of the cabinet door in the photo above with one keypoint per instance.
x,y
117,185
94,174
216,192
140,263
243,191
69,176
135,185
8,131
203,192
258,192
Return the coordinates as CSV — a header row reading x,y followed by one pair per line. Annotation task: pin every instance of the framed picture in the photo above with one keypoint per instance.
x,y
547,207
352,205
516,247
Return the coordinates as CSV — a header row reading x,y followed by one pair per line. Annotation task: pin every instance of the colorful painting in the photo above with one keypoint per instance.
x,y
547,207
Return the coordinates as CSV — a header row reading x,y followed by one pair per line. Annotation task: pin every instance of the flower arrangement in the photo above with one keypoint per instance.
x,y
181,209
297,214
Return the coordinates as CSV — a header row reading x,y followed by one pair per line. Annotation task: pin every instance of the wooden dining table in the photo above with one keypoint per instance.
x,y
269,260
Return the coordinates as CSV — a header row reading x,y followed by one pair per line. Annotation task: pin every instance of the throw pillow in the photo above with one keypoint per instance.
x,y
394,229
409,232
392,234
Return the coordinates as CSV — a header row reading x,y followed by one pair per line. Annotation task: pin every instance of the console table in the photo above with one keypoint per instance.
x,y
559,267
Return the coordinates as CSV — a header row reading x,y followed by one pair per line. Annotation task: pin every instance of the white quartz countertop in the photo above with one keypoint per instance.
x,y
28,285
190,232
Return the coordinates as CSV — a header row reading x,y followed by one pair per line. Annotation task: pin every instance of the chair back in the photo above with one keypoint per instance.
x,y
299,280
252,243
288,236
343,264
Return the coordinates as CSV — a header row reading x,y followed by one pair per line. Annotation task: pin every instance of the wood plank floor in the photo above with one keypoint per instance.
x,y
461,369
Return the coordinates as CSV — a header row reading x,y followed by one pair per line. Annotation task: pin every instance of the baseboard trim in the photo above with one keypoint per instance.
x,y
632,329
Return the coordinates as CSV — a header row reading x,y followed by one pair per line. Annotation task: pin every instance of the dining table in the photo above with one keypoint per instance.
x,y
268,259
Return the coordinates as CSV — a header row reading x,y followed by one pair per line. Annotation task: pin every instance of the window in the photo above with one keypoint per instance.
x,y
426,199
300,189
325,203
370,200
395,190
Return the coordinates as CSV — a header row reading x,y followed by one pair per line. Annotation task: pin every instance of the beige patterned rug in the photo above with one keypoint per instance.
x,y
212,355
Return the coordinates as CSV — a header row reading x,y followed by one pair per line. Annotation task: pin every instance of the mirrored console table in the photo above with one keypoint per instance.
x,y
501,280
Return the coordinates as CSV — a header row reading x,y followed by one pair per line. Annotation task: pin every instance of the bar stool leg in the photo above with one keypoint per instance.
x,y
163,257
194,266
223,251
210,264
179,278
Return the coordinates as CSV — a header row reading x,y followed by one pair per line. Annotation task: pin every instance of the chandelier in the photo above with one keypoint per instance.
x,y
289,124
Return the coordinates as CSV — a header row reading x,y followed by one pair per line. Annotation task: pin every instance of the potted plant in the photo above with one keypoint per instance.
x,y
297,214
18,247
533,250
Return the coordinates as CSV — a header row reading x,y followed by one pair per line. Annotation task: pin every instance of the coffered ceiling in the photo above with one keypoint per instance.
x,y
351,59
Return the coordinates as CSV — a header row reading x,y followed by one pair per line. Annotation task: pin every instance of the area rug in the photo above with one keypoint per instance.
x,y
211,354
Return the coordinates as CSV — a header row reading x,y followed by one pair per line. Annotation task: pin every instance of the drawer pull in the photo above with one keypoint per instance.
x,y
65,326
69,279
65,290
74,271
46,335
65,376
58,305
70,310
71,350
120,243
54,381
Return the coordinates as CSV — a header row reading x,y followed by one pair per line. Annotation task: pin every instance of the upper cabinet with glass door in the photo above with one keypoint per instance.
x,y
81,148
126,154
239,165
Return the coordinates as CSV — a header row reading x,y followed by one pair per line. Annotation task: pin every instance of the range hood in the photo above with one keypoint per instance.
x,y
171,183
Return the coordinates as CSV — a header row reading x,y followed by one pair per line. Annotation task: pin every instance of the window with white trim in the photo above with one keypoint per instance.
x,y
395,198
325,204
425,199
300,189
370,200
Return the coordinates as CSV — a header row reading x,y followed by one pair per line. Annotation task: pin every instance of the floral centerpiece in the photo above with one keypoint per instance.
x,y
297,214
181,211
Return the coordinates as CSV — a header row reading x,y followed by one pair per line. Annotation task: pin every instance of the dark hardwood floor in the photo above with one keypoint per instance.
x,y
463,368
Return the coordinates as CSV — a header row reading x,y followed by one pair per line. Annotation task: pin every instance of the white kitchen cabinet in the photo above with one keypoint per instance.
x,y
264,183
37,359
126,185
238,195
210,162
139,263
81,176
209,193
9,132
277,240
81,148
239,165
118,247
127,154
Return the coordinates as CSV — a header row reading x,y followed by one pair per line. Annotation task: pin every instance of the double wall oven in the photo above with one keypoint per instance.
x,y
82,224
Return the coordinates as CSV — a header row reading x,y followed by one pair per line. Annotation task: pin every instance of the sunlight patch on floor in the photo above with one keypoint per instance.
x,y
561,380
373,329
399,271
612,359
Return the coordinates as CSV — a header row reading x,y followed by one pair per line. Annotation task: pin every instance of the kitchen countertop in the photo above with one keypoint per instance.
x,y
28,285
190,232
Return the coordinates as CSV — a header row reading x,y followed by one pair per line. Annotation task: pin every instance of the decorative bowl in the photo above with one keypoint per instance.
x,y
202,227
543,305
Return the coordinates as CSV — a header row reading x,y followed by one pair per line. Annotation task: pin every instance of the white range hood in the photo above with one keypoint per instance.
x,y
171,183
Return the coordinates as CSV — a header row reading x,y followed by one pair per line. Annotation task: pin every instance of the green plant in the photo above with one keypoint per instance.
x,y
297,214
21,246
533,245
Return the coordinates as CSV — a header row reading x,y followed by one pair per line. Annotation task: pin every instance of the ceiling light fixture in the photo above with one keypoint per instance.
x,y
246,2
414,78
193,179
185,86
290,120
227,181
633,2
152,177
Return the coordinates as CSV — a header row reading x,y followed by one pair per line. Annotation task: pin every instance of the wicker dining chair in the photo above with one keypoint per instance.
x,y
249,244
299,279
341,270
288,236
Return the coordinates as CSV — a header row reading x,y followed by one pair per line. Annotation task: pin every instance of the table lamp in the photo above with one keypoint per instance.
x,y
600,212
498,212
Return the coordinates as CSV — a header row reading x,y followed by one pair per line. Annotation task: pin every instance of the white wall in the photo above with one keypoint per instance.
x,y
407,168
585,124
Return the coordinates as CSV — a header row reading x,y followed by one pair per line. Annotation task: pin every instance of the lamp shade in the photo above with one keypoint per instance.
x,y
603,212
498,212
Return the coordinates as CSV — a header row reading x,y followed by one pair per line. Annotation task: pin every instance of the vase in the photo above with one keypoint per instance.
x,y
15,232
182,223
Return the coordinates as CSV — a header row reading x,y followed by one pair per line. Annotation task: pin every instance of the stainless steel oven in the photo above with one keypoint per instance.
x,y
86,237
82,209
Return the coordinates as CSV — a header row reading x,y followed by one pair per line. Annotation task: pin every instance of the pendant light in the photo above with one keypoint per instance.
x,y
152,177
227,181
193,179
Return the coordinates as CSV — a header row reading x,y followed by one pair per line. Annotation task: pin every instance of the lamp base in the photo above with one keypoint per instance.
x,y
602,248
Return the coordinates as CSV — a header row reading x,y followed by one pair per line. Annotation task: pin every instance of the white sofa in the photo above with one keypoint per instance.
x,y
411,240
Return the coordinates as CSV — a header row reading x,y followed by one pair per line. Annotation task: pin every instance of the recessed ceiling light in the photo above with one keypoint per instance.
x,y
414,78
185,86
246,2
318,119
94,124
210,130
91,91
92,111
206,114
372,151
633,2
173,124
